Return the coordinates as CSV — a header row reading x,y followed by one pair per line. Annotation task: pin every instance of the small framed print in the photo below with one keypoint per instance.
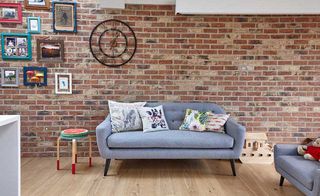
x,y
37,4
9,77
34,25
50,50
16,46
64,16
63,83
35,76
10,13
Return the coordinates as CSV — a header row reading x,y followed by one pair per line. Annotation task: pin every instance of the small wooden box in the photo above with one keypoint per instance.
x,y
256,149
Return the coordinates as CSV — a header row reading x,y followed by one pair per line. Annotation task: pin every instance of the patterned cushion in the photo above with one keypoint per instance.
x,y
194,120
125,116
216,122
153,119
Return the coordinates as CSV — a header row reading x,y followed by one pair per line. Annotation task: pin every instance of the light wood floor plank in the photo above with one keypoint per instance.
x,y
150,178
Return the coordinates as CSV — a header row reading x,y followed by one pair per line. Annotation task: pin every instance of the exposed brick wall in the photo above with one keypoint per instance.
x,y
264,70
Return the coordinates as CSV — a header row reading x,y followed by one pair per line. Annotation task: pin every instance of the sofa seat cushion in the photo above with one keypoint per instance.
x,y
299,168
176,139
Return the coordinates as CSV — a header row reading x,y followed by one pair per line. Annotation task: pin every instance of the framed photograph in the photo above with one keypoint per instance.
x,y
64,16
34,25
10,13
35,76
50,50
37,4
9,77
63,83
16,46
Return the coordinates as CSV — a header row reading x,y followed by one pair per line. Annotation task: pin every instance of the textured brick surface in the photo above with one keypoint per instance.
x,y
264,70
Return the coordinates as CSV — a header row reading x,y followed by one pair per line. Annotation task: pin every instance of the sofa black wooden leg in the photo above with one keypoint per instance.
x,y
106,167
232,162
281,181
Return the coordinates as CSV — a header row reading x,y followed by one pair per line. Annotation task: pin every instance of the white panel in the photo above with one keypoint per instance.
x,y
114,4
248,6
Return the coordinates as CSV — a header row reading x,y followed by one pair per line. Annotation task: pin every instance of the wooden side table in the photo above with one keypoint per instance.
x,y
74,135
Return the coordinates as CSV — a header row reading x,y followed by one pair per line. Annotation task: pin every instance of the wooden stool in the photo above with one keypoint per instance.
x,y
74,135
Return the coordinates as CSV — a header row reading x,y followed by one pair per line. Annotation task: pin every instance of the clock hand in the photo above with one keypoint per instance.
x,y
113,42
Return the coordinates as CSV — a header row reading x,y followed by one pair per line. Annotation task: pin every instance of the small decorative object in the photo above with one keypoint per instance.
x,y
35,76
10,13
16,46
256,149
310,152
9,77
50,50
63,83
37,4
34,25
113,43
64,16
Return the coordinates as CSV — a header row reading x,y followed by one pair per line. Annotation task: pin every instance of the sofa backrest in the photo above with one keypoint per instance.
x,y
175,111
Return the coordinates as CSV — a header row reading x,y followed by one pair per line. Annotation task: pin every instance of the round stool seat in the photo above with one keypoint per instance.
x,y
74,133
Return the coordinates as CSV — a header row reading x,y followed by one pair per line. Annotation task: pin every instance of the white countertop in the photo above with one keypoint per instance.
x,y
7,119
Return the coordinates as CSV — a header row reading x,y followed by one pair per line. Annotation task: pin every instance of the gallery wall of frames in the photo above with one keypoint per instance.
x,y
18,46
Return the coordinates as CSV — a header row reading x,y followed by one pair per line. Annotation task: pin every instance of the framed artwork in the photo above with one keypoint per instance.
x,y
9,77
50,50
34,25
16,46
64,16
37,4
10,13
63,83
35,76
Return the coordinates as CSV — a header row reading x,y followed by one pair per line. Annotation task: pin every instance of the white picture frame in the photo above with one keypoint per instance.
x,y
63,83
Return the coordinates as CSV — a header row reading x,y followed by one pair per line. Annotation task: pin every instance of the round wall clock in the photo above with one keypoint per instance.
x,y
113,43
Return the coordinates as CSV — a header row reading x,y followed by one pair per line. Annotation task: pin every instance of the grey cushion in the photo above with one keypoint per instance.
x,y
175,112
299,168
175,139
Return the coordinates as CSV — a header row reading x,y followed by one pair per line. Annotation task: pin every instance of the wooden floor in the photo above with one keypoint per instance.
x,y
150,178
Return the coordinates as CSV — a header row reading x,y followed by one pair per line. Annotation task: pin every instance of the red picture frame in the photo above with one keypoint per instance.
x,y
11,13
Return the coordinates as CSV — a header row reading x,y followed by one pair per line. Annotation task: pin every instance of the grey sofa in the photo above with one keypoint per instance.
x,y
304,174
172,144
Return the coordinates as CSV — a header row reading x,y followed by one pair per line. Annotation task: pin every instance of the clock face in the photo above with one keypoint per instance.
x,y
113,43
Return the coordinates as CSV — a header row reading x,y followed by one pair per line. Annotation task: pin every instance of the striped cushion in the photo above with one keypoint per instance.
x,y
216,122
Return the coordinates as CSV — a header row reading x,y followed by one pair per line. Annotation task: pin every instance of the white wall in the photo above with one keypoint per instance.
x,y
120,4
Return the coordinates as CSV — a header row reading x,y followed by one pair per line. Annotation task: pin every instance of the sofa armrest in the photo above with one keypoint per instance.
x,y
316,185
285,149
238,132
103,131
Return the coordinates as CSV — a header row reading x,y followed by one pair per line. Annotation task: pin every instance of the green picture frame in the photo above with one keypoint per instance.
x,y
16,46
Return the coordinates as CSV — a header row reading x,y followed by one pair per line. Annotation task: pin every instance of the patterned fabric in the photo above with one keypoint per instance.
x,y
153,119
125,116
216,122
194,120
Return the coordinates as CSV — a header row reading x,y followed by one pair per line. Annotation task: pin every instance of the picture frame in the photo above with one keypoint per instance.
x,y
63,83
37,4
64,16
9,77
35,76
34,25
16,46
11,13
50,50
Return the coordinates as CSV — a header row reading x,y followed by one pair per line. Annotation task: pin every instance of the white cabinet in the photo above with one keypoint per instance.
x,y
10,155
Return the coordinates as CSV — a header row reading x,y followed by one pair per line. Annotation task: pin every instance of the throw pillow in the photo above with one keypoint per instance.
x,y
125,116
194,120
153,119
216,122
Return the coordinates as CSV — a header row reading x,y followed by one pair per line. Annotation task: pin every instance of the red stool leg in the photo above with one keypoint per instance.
x,y
74,150
58,153
90,152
